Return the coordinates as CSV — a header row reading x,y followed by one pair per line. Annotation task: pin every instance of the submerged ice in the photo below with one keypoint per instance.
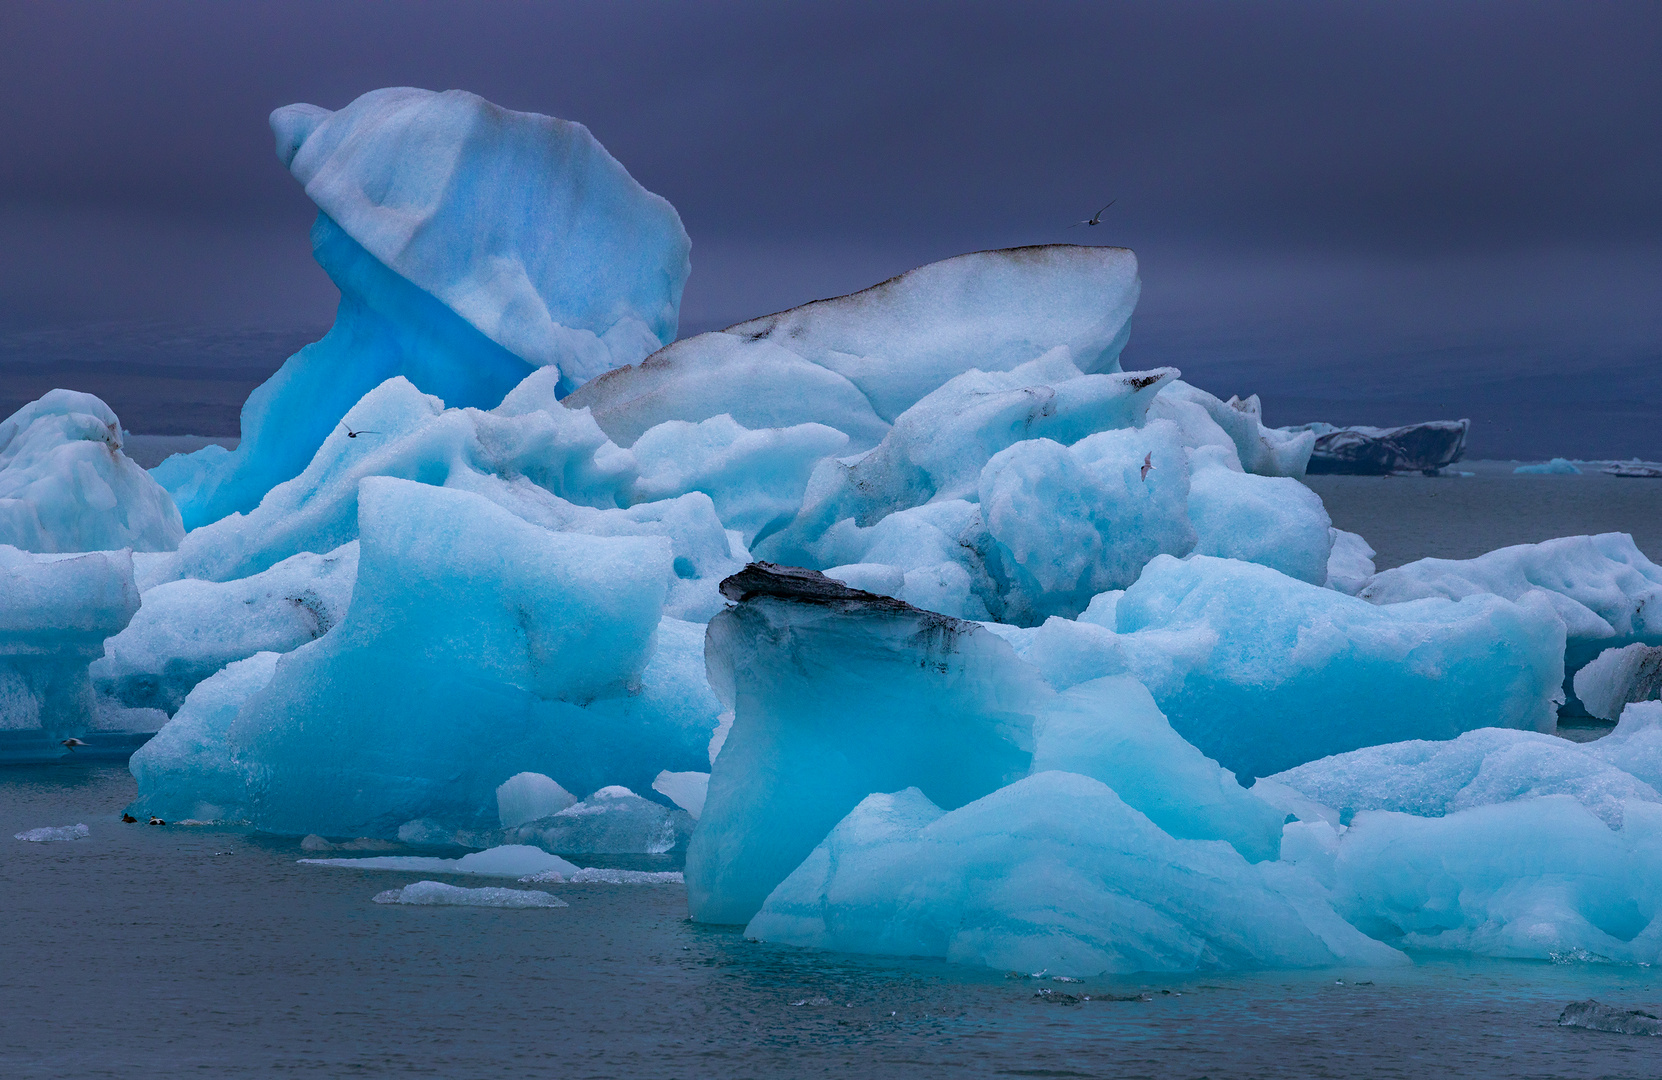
x,y
913,620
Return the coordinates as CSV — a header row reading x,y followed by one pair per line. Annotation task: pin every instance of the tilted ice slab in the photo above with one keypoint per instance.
x,y
1052,872
857,362
546,464
837,694
1617,677
477,646
65,485
437,893
1603,587
471,245
1263,672
55,613
188,630
1486,767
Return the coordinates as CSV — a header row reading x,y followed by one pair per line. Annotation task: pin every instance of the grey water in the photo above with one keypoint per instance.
x,y
169,951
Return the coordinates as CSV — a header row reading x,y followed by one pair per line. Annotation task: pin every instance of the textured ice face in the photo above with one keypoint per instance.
x,y
476,646
1263,672
1273,521
472,245
65,485
187,630
55,613
1052,872
612,821
857,362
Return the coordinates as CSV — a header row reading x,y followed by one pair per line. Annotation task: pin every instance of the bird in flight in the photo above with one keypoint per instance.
x,y
73,743
1096,218
1148,463
350,434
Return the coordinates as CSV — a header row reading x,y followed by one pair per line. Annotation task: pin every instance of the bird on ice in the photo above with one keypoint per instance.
x,y
1148,463
1096,218
73,743
350,434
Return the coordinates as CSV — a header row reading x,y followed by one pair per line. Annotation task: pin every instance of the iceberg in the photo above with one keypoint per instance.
x,y
611,821
1262,672
837,694
65,485
1556,467
471,245
527,796
476,646
1053,872
1605,590
55,613
1274,521
856,362
1370,451
1260,450
438,893
189,629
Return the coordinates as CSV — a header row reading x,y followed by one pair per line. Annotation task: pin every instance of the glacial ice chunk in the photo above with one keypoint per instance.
x,y
1272,520
1617,677
685,789
1110,730
1262,672
55,613
1529,879
189,771
476,645
611,821
506,860
438,893
1556,467
1054,872
1480,768
1259,449
49,833
65,485
528,796
1594,1016
188,629
471,245
1350,565
857,362
837,694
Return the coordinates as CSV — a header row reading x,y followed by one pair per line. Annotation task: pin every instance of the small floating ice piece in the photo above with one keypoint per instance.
x,y
1556,467
600,875
54,832
509,860
436,892
1594,1016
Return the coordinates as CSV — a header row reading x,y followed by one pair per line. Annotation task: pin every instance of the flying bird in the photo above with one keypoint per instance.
x,y
1096,218
1148,463
73,743
350,434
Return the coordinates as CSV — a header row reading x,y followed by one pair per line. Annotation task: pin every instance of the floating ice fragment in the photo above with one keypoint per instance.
x,y
1594,1016
603,875
438,893
50,833
1556,467
509,860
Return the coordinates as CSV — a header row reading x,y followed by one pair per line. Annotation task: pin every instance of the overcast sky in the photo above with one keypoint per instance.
x,y
1328,199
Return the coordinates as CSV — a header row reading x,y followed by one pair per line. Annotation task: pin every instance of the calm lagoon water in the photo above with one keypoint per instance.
x,y
168,952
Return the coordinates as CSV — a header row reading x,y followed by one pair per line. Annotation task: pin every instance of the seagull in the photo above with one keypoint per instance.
x,y
350,434
1148,463
73,743
1096,218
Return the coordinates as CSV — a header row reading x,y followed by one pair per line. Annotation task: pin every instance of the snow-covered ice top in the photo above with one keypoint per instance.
x,y
65,485
857,362
522,224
